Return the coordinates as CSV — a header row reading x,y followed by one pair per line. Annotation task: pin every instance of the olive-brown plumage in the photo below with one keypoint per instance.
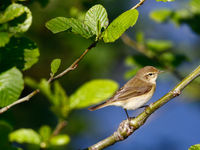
x,y
136,92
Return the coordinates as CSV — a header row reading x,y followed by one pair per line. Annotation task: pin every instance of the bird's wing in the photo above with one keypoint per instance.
x,y
137,88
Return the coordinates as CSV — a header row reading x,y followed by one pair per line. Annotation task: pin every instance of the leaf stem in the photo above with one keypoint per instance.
x,y
73,66
126,128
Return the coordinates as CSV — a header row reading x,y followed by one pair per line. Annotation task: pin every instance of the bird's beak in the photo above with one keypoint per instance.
x,y
161,71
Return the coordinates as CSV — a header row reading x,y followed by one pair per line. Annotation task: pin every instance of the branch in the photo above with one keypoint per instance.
x,y
59,127
126,128
73,66
138,4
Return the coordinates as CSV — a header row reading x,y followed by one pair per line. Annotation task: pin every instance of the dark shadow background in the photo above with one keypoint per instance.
x,y
173,127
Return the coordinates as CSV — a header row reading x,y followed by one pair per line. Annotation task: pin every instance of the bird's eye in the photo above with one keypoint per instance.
x,y
150,74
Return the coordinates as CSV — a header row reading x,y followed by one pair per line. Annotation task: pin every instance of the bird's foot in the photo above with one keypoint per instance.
x,y
124,127
145,106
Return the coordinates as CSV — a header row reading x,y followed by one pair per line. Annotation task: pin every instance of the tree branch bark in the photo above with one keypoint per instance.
x,y
73,66
126,128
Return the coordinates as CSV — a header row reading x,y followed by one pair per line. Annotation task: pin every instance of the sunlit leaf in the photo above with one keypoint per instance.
x,y
21,52
161,15
11,86
93,92
45,88
60,101
96,18
45,132
59,140
195,147
120,25
55,64
25,136
15,11
76,26
4,38
58,24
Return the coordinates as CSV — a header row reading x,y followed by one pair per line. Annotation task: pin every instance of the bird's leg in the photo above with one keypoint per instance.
x,y
127,115
145,106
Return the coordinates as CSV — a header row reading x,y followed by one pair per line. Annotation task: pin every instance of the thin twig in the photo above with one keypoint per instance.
x,y
59,127
26,98
51,79
138,4
126,128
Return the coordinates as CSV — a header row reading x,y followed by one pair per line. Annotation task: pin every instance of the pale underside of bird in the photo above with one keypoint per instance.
x,y
135,93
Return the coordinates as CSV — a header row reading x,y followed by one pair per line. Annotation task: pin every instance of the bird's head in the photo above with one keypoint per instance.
x,y
148,73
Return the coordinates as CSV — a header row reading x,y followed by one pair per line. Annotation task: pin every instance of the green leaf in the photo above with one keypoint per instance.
x,y
93,92
60,24
97,19
45,133
120,25
60,101
195,6
25,136
59,140
45,88
161,15
159,45
195,147
5,38
13,12
55,64
21,52
11,86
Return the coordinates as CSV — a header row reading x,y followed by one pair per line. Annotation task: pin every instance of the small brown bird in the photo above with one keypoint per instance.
x,y
136,92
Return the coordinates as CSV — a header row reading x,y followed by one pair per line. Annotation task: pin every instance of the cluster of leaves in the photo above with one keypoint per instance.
x,y
32,140
88,94
157,53
190,15
95,24
15,19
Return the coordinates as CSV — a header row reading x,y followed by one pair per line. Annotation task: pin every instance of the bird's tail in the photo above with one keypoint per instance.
x,y
101,105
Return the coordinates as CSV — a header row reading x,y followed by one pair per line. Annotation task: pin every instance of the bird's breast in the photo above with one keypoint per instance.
x,y
135,102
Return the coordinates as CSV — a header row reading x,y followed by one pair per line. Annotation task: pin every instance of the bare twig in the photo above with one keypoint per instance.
x,y
70,68
59,127
126,128
138,4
